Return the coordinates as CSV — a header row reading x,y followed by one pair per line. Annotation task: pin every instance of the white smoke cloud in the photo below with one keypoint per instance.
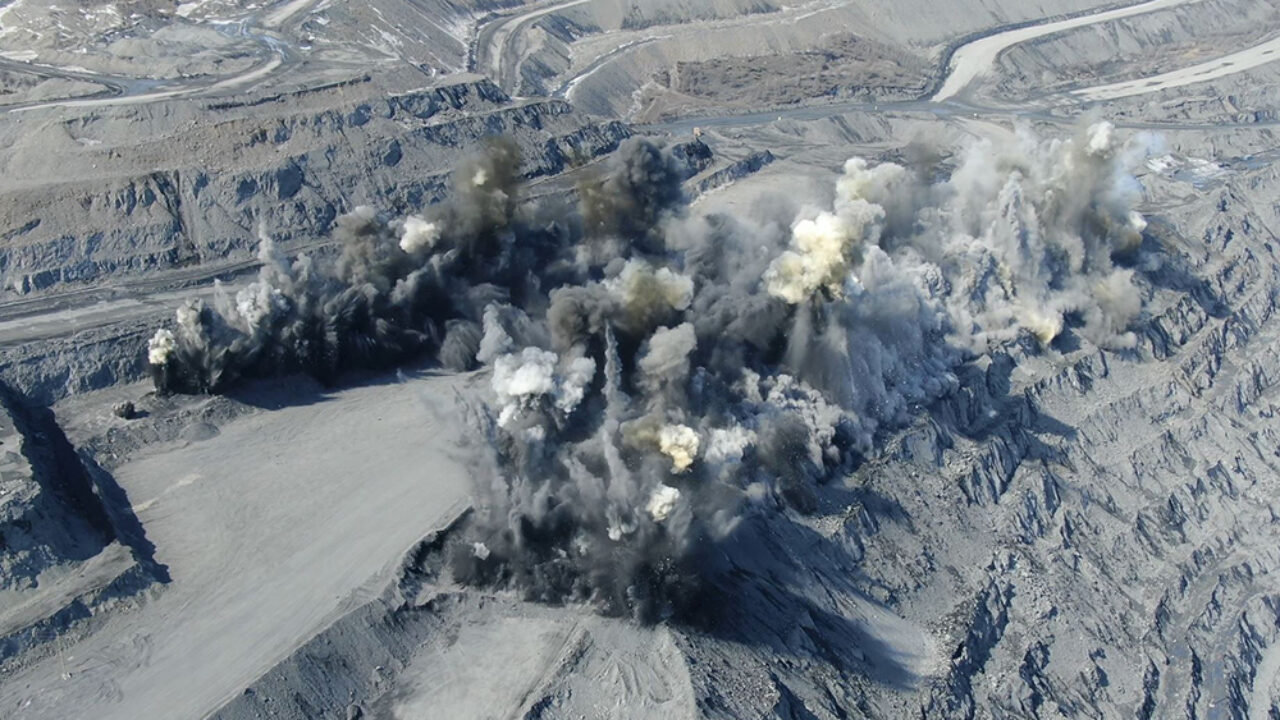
x,y
662,502
1100,139
725,446
256,303
822,419
522,381
639,286
664,362
573,383
680,443
1023,235
824,248
418,235
161,347
1047,217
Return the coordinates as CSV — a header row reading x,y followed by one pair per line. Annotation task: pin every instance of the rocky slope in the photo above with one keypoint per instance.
x,y
166,186
1075,532
65,551
625,58
1133,47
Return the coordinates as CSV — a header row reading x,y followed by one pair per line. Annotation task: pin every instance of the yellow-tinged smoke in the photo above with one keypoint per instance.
x,y
824,248
680,443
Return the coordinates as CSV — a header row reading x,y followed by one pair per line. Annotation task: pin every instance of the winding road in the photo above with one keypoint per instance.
x,y
27,319
259,27
971,61
496,53
1260,54
493,46
974,59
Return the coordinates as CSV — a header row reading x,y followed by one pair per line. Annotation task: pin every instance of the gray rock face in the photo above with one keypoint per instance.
x,y
50,369
844,67
59,554
51,515
1131,48
287,163
1088,539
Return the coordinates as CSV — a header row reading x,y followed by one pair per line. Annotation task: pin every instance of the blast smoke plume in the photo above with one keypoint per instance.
x,y
656,374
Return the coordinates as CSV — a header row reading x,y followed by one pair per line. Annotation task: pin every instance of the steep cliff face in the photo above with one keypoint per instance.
x,y
193,190
51,368
50,512
60,554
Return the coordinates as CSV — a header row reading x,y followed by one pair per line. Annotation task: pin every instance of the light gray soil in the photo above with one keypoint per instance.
x,y
1080,532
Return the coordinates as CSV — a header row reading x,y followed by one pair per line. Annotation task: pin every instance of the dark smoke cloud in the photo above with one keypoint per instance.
x,y
397,289
657,374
